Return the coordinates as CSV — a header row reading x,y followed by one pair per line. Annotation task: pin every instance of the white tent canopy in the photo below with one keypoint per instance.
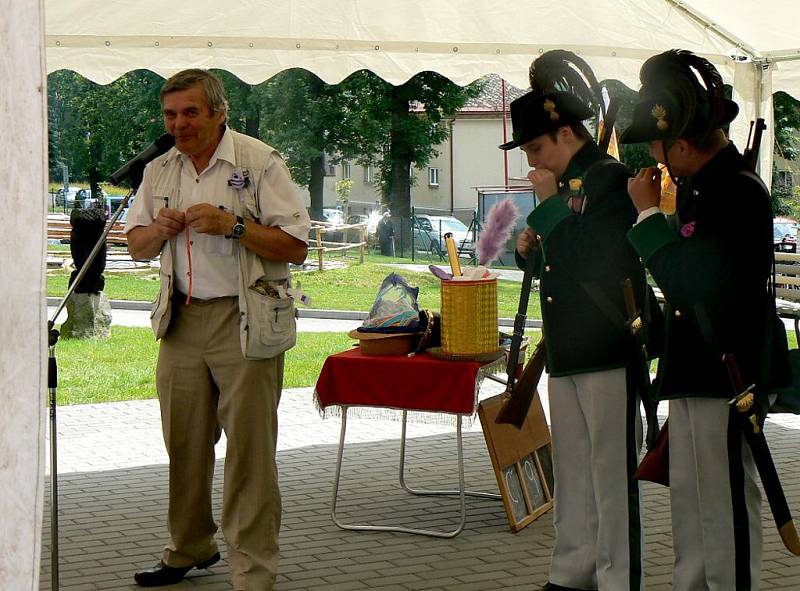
x,y
103,39
753,43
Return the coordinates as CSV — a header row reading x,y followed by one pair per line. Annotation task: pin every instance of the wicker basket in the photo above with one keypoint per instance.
x,y
469,317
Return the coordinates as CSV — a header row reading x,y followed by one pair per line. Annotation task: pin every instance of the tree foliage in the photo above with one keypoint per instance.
x,y
94,129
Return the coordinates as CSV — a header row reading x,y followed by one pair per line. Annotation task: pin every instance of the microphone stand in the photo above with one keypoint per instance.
x,y
52,386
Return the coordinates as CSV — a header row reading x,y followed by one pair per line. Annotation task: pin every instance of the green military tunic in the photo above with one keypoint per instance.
x,y
712,261
582,261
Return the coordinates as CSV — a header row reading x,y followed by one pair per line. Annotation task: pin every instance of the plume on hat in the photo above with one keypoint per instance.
x,y
559,70
497,230
680,72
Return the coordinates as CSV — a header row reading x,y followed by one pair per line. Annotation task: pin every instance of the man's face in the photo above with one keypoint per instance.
x,y
677,153
188,117
544,152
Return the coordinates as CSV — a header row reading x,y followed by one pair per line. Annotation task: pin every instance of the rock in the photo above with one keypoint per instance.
x,y
88,316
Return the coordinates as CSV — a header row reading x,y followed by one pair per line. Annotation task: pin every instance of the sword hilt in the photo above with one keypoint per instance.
x,y
744,401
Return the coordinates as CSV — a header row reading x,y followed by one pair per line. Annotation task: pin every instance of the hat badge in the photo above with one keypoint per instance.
x,y
659,113
550,107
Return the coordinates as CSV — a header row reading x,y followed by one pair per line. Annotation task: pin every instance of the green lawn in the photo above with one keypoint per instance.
x,y
140,286
351,288
124,366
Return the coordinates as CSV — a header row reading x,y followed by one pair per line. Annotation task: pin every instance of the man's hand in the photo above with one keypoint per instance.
x,y
544,182
526,241
207,219
168,223
645,189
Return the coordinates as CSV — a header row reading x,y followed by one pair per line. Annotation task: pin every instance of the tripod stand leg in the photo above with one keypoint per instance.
x,y
52,388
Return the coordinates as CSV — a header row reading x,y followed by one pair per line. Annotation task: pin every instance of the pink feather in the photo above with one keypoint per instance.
x,y
496,231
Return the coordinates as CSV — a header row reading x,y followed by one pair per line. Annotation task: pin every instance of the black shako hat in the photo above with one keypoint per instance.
x,y
538,113
682,96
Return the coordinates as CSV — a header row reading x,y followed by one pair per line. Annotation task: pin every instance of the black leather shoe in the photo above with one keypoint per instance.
x,y
162,574
553,587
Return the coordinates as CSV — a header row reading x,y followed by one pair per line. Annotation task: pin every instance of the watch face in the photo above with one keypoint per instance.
x,y
238,230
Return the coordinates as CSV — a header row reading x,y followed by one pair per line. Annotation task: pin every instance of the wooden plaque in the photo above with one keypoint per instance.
x,y
522,461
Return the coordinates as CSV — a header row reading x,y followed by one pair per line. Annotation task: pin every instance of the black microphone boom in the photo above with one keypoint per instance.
x,y
134,168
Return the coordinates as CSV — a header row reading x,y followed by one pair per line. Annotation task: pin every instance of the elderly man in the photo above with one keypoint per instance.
x,y
221,210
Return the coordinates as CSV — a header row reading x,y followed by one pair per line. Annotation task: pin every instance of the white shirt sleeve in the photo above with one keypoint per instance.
x,y
646,213
141,208
280,203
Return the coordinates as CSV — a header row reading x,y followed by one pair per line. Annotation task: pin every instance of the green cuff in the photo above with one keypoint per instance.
x,y
650,235
544,218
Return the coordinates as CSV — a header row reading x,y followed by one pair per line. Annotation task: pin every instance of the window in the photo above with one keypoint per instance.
x,y
433,177
330,167
369,174
345,170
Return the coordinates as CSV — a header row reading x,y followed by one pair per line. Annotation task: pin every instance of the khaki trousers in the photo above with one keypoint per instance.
x,y
206,385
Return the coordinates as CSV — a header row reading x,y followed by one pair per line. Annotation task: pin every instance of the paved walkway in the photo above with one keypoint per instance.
x,y
113,491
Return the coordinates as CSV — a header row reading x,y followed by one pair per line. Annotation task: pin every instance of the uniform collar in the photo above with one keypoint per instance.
x,y
587,155
726,160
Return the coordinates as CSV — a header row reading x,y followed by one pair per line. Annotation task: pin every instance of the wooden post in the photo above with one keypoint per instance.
x,y
362,240
320,230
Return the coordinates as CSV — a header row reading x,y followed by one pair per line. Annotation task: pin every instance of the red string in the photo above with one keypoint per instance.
x,y
189,256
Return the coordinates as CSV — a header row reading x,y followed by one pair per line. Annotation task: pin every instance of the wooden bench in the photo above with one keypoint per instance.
x,y
59,228
787,287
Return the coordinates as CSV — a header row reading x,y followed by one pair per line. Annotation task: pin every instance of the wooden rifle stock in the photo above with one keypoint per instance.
x,y
750,154
520,395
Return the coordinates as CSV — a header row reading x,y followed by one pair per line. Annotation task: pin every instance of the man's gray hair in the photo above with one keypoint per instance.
x,y
210,85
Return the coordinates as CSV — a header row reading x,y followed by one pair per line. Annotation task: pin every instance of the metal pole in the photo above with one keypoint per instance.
x,y
505,133
52,387
52,379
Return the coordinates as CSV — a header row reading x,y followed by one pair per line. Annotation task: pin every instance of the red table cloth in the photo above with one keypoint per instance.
x,y
420,383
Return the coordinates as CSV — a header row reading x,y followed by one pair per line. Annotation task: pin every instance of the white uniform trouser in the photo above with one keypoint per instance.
x,y
597,435
715,501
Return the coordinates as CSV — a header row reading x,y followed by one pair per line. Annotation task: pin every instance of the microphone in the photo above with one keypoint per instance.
x,y
134,168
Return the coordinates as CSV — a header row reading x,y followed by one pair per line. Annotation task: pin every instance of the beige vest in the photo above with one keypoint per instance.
x,y
267,322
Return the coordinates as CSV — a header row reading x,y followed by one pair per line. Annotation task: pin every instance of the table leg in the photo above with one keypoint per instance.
x,y
421,491
411,530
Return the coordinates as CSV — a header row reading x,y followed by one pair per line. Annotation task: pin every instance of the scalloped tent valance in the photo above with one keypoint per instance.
x,y
754,44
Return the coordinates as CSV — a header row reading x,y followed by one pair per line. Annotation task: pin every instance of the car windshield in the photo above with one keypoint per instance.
x,y
449,224
781,229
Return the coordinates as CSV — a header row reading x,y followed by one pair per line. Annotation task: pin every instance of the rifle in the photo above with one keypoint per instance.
x,y
750,153
640,365
519,396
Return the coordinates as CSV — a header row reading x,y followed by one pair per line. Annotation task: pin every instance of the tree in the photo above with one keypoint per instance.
x,y
307,119
787,125
635,156
244,106
95,128
401,126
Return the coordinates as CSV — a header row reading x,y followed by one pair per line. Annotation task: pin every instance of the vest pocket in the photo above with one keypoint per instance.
x,y
270,322
162,309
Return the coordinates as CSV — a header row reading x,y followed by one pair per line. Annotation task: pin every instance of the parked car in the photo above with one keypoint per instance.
x,y
77,195
333,216
113,202
429,231
370,220
784,232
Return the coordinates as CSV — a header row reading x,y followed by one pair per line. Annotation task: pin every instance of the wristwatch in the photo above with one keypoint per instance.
x,y
238,228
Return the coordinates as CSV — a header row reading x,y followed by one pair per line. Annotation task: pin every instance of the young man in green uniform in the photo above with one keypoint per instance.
x,y
581,256
712,260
